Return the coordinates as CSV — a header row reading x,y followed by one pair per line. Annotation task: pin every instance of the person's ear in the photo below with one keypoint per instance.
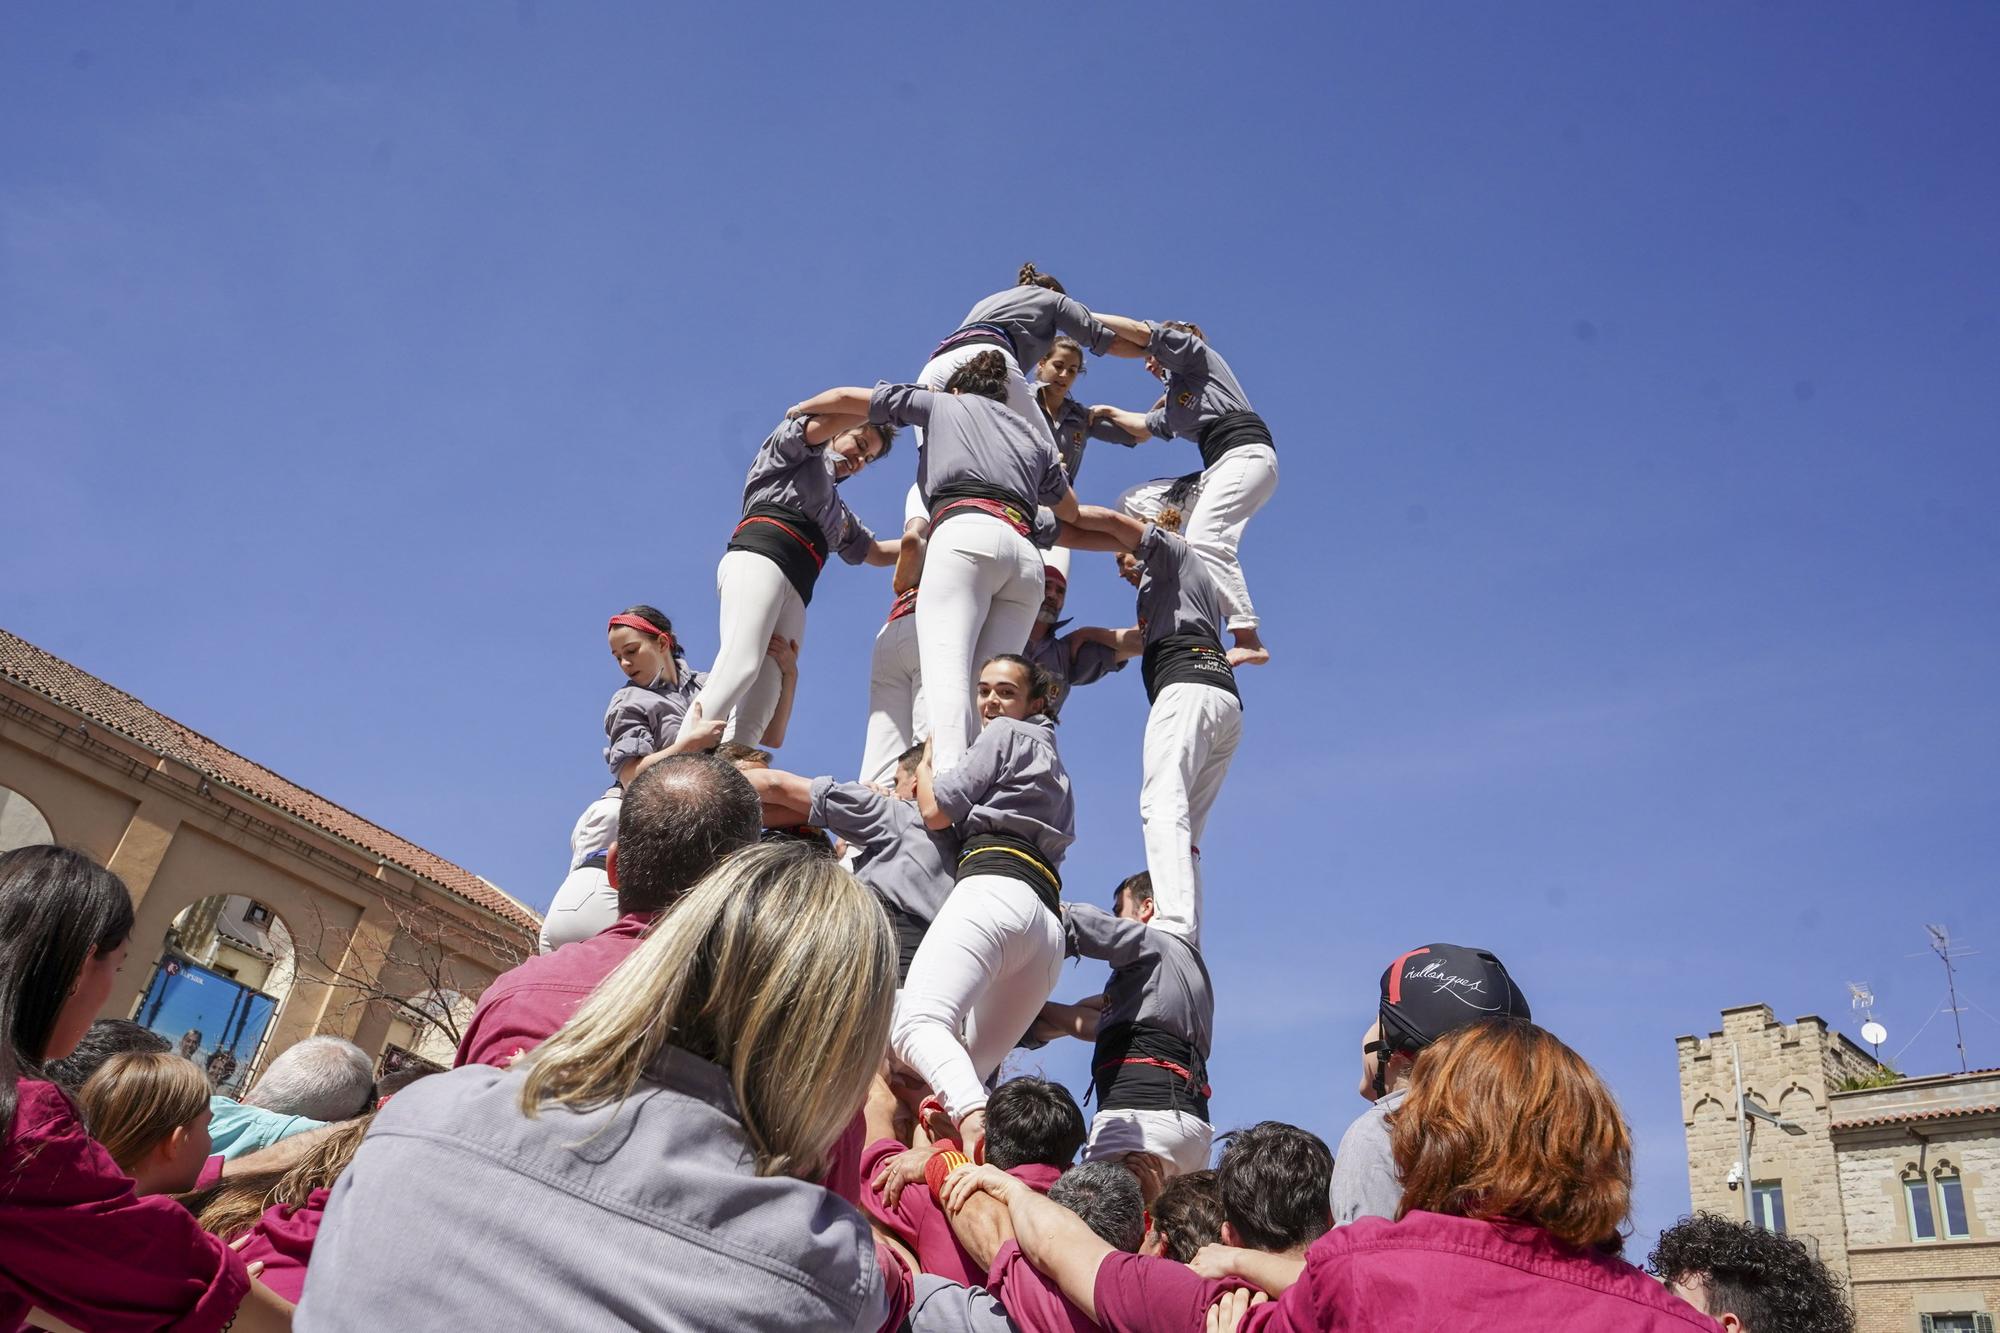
x,y
611,865
1232,1237
169,1148
1729,1321
1155,1244
1146,909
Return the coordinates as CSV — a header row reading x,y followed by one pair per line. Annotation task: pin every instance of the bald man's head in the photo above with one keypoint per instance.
x,y
679,818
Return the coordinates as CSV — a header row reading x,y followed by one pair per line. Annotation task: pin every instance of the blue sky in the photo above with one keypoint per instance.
x,y
1635,371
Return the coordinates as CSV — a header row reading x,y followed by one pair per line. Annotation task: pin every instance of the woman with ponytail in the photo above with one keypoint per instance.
x,y
1074,424
78,1247
642,725
1204,403
984,470
1021,324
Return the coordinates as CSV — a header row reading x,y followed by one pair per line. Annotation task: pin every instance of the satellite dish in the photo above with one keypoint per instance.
x,y
1874,1033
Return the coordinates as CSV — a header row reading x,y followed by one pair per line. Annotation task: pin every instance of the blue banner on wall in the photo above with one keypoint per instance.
x,y
216,1021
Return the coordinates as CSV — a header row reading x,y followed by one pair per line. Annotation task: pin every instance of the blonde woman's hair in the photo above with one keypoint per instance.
x,y
136,1099
234,1206
781,968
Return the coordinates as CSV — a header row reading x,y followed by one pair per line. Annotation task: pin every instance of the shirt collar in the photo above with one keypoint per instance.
x,y
694,1077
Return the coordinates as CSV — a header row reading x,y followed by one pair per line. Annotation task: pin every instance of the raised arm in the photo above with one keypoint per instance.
x,y
850,401
1126,643
1114,531
1054,1239
1133,335
1131,426
787,797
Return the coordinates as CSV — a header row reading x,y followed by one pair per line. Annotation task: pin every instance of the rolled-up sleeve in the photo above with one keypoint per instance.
x,y
1075,319
1095,933
856,540
630,726
82,1246
788,442
856,812
1090,662
1156,422
1177,349
900,404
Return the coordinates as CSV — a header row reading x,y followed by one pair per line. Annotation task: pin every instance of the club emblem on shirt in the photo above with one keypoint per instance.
x,y
1187,397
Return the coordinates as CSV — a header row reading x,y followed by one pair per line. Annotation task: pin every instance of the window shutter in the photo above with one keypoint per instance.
x,y
1982,1323
1925,1325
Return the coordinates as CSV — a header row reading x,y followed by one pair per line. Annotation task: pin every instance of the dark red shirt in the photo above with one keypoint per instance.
x,y
1425,1270
76,1241
921,1224
1035,1303
524,1006
283,1239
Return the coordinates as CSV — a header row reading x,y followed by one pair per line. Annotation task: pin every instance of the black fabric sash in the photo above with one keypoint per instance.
x,y
1190,656
786,537
1015,858
991,335
946,501
1231,430
1139,1067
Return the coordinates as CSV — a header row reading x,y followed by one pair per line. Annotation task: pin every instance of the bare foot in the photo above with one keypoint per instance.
x,y
1249,649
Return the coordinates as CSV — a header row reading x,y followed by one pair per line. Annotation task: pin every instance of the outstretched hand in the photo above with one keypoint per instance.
x,y
900,1172
967,1181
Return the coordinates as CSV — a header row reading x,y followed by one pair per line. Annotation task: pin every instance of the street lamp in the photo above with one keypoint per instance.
x,y
1746,1111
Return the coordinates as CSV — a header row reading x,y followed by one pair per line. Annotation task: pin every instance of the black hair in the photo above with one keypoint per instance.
x,y
984,376
58,910
1188,1214
1140,886
1108,1199
1274,1179
1030,276
657,618
107,1037
907,761
678,819
806,835
1766,1280
1040,682
1033,1120
886,432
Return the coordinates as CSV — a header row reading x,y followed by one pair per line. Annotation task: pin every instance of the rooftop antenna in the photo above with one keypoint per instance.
x,y
1941,946
1872,1032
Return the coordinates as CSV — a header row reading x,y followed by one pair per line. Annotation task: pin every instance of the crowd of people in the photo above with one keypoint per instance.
x,y
756,1078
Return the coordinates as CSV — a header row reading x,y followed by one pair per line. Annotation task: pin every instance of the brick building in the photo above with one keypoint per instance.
x,y
224,857
1896,1186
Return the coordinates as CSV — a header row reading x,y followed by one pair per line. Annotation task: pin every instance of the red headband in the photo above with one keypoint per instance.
x,y
644,626
1050,574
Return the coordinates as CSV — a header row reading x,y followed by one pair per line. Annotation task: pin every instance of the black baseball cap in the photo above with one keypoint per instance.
x,y
1442,987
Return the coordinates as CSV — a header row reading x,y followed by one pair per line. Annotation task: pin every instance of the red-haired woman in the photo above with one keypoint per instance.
x,y
1517,1183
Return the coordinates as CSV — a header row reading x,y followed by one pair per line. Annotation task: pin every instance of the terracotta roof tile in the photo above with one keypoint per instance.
x,y
1905,1117
49,675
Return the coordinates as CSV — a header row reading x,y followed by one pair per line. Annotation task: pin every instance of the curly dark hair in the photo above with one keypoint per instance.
x,y
985,374
1766,1280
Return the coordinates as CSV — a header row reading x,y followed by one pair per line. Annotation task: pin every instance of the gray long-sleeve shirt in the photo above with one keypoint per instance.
x,y
788,471
1033,316
643,718
1156,978
1200,385
939,1305
1070,662
1366,1182
1011,780
1071,425
1177,594
972,439
647,1213
906,863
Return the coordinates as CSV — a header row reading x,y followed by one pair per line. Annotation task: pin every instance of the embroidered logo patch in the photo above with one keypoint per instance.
x,y
1187,396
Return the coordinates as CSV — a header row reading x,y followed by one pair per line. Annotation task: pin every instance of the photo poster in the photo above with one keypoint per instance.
x,y
214,1020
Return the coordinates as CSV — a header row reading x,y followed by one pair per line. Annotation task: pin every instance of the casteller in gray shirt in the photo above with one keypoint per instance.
x,y
896,855
1157,978
1200,385
648,1213
1366,1182
970,440
1011,780
1032,317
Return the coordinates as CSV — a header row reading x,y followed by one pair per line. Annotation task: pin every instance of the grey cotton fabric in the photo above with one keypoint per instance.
x,y
1177,594
1033,316
942,1306
1071,426
972,439
646,1214
1200,385
1366,1182
1071,663
643,718
1012,781
1156,978
788,471
904,862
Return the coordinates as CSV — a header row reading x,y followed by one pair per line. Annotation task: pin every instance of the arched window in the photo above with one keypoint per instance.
x,y
22,823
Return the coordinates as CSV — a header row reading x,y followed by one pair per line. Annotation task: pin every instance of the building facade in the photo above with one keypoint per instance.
x,y
301,917
1895,1183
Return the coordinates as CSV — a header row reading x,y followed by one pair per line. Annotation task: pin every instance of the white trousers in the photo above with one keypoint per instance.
x,y
585,903
896,716
1226,498
981,588
1180,1139
1020,397
757,601
1191,735
980,978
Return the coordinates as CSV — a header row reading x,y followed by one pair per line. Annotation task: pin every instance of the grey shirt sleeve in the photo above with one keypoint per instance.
x,y
856,812
630,725
901,404
1365,1180
977,773
942,1306
854,540
1108,431
1177,349
1092,932
1156,422
1089,662
1073,318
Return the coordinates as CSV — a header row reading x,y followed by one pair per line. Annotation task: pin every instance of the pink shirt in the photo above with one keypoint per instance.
x,y
918,1222
524,1006
77,1242
1033,1302
1425,1271
283,1239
